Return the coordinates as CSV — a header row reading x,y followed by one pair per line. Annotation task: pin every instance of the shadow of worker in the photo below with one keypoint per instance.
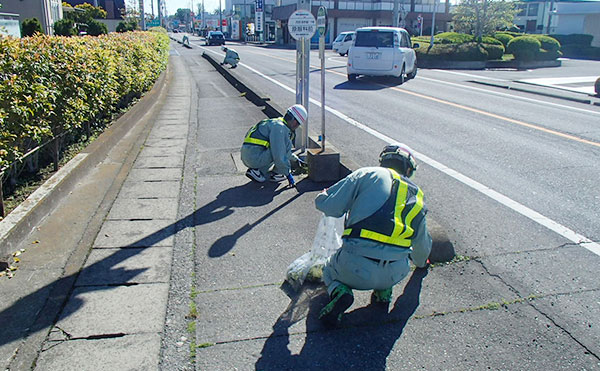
x,y
246,196
364,342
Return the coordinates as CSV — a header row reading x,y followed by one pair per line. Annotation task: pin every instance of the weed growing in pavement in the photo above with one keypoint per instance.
x,y
205,345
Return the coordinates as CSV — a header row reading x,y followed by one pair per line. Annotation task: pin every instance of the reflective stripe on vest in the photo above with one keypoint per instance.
x,y
395,222
252,140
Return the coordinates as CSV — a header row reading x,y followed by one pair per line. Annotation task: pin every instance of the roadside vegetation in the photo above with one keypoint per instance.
x,y
64,91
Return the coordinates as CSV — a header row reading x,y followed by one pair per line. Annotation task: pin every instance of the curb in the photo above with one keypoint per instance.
x,y
19,223
508,87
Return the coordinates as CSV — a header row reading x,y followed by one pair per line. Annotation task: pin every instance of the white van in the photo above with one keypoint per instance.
x,y
342,43
382,51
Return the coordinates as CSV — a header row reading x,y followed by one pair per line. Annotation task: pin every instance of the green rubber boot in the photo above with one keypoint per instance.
x,y
341,299
382,296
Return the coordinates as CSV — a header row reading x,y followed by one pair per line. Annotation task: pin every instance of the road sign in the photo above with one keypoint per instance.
x,y
153,23
302,24
322,20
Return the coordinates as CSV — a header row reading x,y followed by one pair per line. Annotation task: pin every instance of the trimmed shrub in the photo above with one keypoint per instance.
x,y
548,43
96,28
548,55
64,27
524,48
50,85
453,38
579,51
503,37
453,52
125,26
574,39
491,40
30,27
494,51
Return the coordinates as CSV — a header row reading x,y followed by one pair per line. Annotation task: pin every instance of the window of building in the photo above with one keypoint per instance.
x,y
521,10
533,10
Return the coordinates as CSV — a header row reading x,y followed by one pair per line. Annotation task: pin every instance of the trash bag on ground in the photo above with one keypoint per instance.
x,y
309,266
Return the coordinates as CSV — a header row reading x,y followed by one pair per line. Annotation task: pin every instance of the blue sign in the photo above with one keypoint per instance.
x,y
259,5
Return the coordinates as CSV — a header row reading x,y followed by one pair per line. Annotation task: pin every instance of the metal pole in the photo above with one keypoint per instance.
x,y
323,98
395,20
433,22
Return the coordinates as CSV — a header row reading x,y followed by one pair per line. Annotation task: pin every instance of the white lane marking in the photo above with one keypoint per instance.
x,y
510,96
496,196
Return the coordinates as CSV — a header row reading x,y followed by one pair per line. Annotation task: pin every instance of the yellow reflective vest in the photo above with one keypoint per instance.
x,y
396,221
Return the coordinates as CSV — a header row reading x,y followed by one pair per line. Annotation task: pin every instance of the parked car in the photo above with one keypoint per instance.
x,y
382,51
215,38
342,43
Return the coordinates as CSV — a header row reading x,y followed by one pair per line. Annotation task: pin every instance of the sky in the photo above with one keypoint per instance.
x,y
173,5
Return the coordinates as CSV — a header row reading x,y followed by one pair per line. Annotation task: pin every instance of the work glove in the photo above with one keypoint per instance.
x,y
291,180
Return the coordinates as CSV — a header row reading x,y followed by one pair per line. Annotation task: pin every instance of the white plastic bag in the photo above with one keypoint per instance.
x,y
327,240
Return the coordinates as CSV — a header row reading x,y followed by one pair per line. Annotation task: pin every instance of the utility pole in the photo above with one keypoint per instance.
x,y
220,17
395,20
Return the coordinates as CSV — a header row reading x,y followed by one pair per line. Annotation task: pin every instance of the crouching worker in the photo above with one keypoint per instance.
x,y
384,228
268,144
231,57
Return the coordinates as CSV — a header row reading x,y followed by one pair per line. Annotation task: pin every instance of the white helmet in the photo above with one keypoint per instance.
x,y
400,156
299,113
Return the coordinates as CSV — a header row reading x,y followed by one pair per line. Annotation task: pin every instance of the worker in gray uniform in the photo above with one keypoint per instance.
x,y
268,144
231,57
385,226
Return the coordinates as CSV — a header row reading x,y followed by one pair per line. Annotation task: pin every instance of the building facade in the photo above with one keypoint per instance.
x,y
344,15
560,17
46,11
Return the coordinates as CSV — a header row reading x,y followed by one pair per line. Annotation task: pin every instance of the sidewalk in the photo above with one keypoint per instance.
x,y
170,219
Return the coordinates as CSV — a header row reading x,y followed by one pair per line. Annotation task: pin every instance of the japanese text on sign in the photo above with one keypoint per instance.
x,y
302,24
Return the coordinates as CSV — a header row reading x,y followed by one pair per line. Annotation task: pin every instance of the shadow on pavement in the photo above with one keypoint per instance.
x,y
368,83
25,317
364,342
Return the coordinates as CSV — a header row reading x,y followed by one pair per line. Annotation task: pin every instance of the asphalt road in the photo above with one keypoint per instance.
x,y
512,176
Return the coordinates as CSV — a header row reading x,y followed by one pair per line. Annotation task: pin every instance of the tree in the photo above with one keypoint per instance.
x,y
31,26
92,12
183,15
64,27
125,26
96,28
483,17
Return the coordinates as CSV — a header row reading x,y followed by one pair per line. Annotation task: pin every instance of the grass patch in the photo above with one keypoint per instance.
x,y
205,345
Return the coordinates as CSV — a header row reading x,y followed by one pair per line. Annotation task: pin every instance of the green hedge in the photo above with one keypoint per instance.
x,y
49,85
503,37
548,43
494,51
453,52
574,39
524,48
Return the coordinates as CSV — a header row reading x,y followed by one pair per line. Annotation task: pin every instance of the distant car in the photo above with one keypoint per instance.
x,y
215,38
342,43
382,51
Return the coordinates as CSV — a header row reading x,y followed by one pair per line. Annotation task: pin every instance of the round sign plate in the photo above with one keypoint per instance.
x,y
302,24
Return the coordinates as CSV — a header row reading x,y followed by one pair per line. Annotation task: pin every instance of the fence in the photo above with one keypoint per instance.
x,y
10,173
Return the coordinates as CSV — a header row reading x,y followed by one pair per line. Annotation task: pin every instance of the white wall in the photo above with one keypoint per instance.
x,y
351,24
